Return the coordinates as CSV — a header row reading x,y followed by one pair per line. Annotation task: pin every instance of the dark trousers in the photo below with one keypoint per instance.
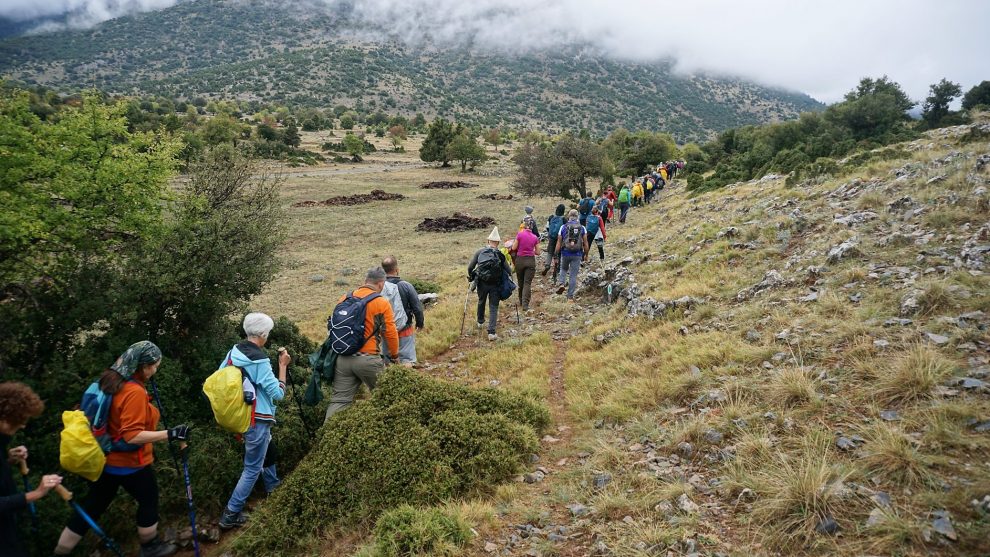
x,y
140,485
488,294
525,270
623,210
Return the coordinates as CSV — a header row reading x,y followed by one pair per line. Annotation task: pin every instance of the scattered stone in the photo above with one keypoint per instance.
x,y
936,339
347,200
770,417
881,344
882,499
811,297
454,223
317,278
981,504
942,524
446,185
849,248
601,480
496,197
685,504
685,449
771,279
549,439
713,436
728,232
429,298
897,321
981,427
937,179
889,415
849,443
877,516
855,218
578,510
534,477
827,525
490,547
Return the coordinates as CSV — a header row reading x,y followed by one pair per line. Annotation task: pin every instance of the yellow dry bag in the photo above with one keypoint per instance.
x,y
79,452
225,388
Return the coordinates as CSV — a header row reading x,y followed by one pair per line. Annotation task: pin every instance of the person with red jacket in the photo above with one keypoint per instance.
x,y
134,419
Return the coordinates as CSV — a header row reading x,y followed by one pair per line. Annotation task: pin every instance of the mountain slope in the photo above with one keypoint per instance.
x,y
265,51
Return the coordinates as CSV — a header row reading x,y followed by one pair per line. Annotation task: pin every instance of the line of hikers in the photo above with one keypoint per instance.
x,y
387,313
569,242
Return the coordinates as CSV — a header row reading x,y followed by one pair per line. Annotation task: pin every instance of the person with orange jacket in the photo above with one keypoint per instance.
x,y
364,367
133,419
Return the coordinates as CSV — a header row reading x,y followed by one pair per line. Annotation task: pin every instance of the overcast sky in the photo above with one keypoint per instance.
x,y
819,47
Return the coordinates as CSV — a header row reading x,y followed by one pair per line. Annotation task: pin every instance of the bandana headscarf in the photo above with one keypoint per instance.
x,y
144,352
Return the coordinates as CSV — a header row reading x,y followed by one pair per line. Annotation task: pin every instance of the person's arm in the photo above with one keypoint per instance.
x,y
133,417
414,304
262,376
585,238
601,224
391,333
536,247
472,265
560,241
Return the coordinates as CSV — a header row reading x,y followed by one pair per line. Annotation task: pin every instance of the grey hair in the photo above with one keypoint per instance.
x,y
258,325
375,275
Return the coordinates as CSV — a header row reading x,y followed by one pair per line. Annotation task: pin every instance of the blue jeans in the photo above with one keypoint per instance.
x,y
256,441
569,267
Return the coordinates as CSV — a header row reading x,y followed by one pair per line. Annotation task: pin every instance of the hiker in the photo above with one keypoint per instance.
x,y
637,194
624,198
650,184
134,420
412,307
584,208
663,173
573,249
249,356
527,249
530,221
381,334
553,230
486,270
596,231
18,404
610,213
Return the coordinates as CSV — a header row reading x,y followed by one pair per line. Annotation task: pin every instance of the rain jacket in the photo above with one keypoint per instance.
x,y
258,366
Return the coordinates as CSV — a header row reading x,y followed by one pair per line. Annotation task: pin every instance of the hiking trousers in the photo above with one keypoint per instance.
x,y
257,439
601,248
525,270
140,485
623,210
569,267
488,294
551,245
351,371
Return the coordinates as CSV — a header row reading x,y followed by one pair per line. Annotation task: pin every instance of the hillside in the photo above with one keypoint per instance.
x,y
262,50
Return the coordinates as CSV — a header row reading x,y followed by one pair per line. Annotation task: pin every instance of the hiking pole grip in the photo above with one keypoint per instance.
x,y
63,492
24,467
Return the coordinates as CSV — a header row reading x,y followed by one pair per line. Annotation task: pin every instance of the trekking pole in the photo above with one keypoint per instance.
x,y
464,315
184,450
27,488
302,415
66,495
517,315
161,412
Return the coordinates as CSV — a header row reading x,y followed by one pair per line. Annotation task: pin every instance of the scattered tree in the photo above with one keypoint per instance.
x,y
493,137
557,169
347,122
354,146
438,138
397,134
465,148
936,107
978,96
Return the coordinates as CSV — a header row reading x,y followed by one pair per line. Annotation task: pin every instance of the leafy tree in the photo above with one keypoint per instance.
x,y
354,146
347,122
557,169
979,95
875,111
936,107
419,121
493,137
221,129
465,148
291,136
635,153
869,87
269,133
397,134
438,137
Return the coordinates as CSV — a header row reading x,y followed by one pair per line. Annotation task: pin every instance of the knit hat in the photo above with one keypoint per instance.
x,y
494,237
529,210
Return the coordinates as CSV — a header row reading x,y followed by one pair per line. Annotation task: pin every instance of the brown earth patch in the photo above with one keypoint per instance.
x,y
454,223
358,199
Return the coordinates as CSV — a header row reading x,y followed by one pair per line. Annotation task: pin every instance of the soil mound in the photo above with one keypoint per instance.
x,y
446,185
454,223
495,196
358,199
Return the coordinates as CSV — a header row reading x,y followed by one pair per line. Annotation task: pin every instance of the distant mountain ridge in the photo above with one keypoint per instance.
x,y
269,51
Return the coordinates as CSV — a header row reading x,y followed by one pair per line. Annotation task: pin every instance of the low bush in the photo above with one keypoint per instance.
x,y
423,286
417,441
410,532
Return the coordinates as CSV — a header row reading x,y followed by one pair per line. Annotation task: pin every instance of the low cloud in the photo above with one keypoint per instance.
x,y
819,48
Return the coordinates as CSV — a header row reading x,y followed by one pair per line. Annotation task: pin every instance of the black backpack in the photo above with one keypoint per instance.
x,y
346,324
489,267
585,206
572,239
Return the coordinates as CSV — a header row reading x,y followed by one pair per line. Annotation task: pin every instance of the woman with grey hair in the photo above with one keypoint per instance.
x,y
249,356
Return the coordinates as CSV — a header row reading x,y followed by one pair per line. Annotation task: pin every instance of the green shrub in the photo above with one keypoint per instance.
x,y
418,441
410,532
423,286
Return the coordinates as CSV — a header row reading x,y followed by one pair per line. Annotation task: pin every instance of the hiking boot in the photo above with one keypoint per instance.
x,y
481,324
157,548
230,520
561,288
546,270
492,336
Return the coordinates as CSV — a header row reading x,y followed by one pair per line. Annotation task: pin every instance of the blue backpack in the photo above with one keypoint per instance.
x,y
592,226
346,325
554,225
96,405
585,206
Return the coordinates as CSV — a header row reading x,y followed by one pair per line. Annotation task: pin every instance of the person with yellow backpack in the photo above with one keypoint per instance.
x,y
259,377
133,428
637,194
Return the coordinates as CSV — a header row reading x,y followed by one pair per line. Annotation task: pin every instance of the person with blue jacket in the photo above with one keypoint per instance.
x,y
249,356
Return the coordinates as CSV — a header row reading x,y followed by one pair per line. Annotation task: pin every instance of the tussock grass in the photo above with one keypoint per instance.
x,y
913,375
935,297
893,534
872,200
894,456
790,387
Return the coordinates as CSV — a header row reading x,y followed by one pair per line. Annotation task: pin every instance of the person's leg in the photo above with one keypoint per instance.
x,y
482,294
143,487
101,494
256,441
407,350
601,250
269,475
520,276
527,282
492,310
345,385
573,274
551,245
367,368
